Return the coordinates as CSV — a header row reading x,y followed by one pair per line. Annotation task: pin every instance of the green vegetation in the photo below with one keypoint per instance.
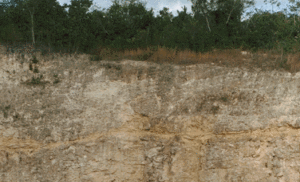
x,y
111,66
34,60
224,98
36,70
95,58
129,26
215,109
30,66
36,81
56,79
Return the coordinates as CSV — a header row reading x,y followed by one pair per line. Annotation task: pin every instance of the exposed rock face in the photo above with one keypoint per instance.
x,y
138,121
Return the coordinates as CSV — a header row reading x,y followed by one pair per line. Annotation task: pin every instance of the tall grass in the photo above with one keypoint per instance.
x,y
264,59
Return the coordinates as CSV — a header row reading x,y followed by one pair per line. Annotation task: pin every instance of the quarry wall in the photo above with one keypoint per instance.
x,y
112,121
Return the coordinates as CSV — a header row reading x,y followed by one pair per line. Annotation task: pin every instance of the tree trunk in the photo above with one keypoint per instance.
x,y
32,29
230,13
207,24
147,37
102,26
203,12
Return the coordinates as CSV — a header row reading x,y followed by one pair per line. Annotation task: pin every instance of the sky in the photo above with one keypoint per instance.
x,y
175,5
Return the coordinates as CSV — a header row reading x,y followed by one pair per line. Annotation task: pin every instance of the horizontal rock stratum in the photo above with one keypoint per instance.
x,y
117,121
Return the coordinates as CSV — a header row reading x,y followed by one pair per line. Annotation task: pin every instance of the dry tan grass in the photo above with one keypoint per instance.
x,y
185,57
265,60
294,62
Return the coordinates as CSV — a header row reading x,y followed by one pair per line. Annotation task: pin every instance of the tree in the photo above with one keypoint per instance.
x,y
203,7
163,27
216,9
126,24
294,8
272,2
77,23
184,29
30,7
265,29
45,19
98,29
222,18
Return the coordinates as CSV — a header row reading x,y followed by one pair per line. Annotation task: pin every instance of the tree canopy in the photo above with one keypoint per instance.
x,y
129,25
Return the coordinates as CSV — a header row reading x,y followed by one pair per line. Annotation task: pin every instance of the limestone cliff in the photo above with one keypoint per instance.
x,y
77,120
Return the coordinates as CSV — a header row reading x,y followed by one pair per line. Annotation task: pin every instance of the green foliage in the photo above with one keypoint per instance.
x,y
129,25
36,70
56,79
153,48
5,110
95,58
283,64
34,60
224,98
36,81
77,22
44,52
215,109
111,66
145,56
261,30
10,33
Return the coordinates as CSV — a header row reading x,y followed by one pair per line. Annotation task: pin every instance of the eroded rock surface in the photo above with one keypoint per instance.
x,y
138,121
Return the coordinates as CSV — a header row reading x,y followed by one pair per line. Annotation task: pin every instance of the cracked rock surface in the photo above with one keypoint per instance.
x,y
118,121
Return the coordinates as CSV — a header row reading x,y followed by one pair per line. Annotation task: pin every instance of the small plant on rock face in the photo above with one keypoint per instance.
x,y
107,66
144,115
35,70
5,114
118,67
34,60
5,111
56,79
30,66
224,98
215,109
36,80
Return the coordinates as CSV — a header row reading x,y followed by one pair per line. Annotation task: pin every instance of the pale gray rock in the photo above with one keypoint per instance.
x,y
139,121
